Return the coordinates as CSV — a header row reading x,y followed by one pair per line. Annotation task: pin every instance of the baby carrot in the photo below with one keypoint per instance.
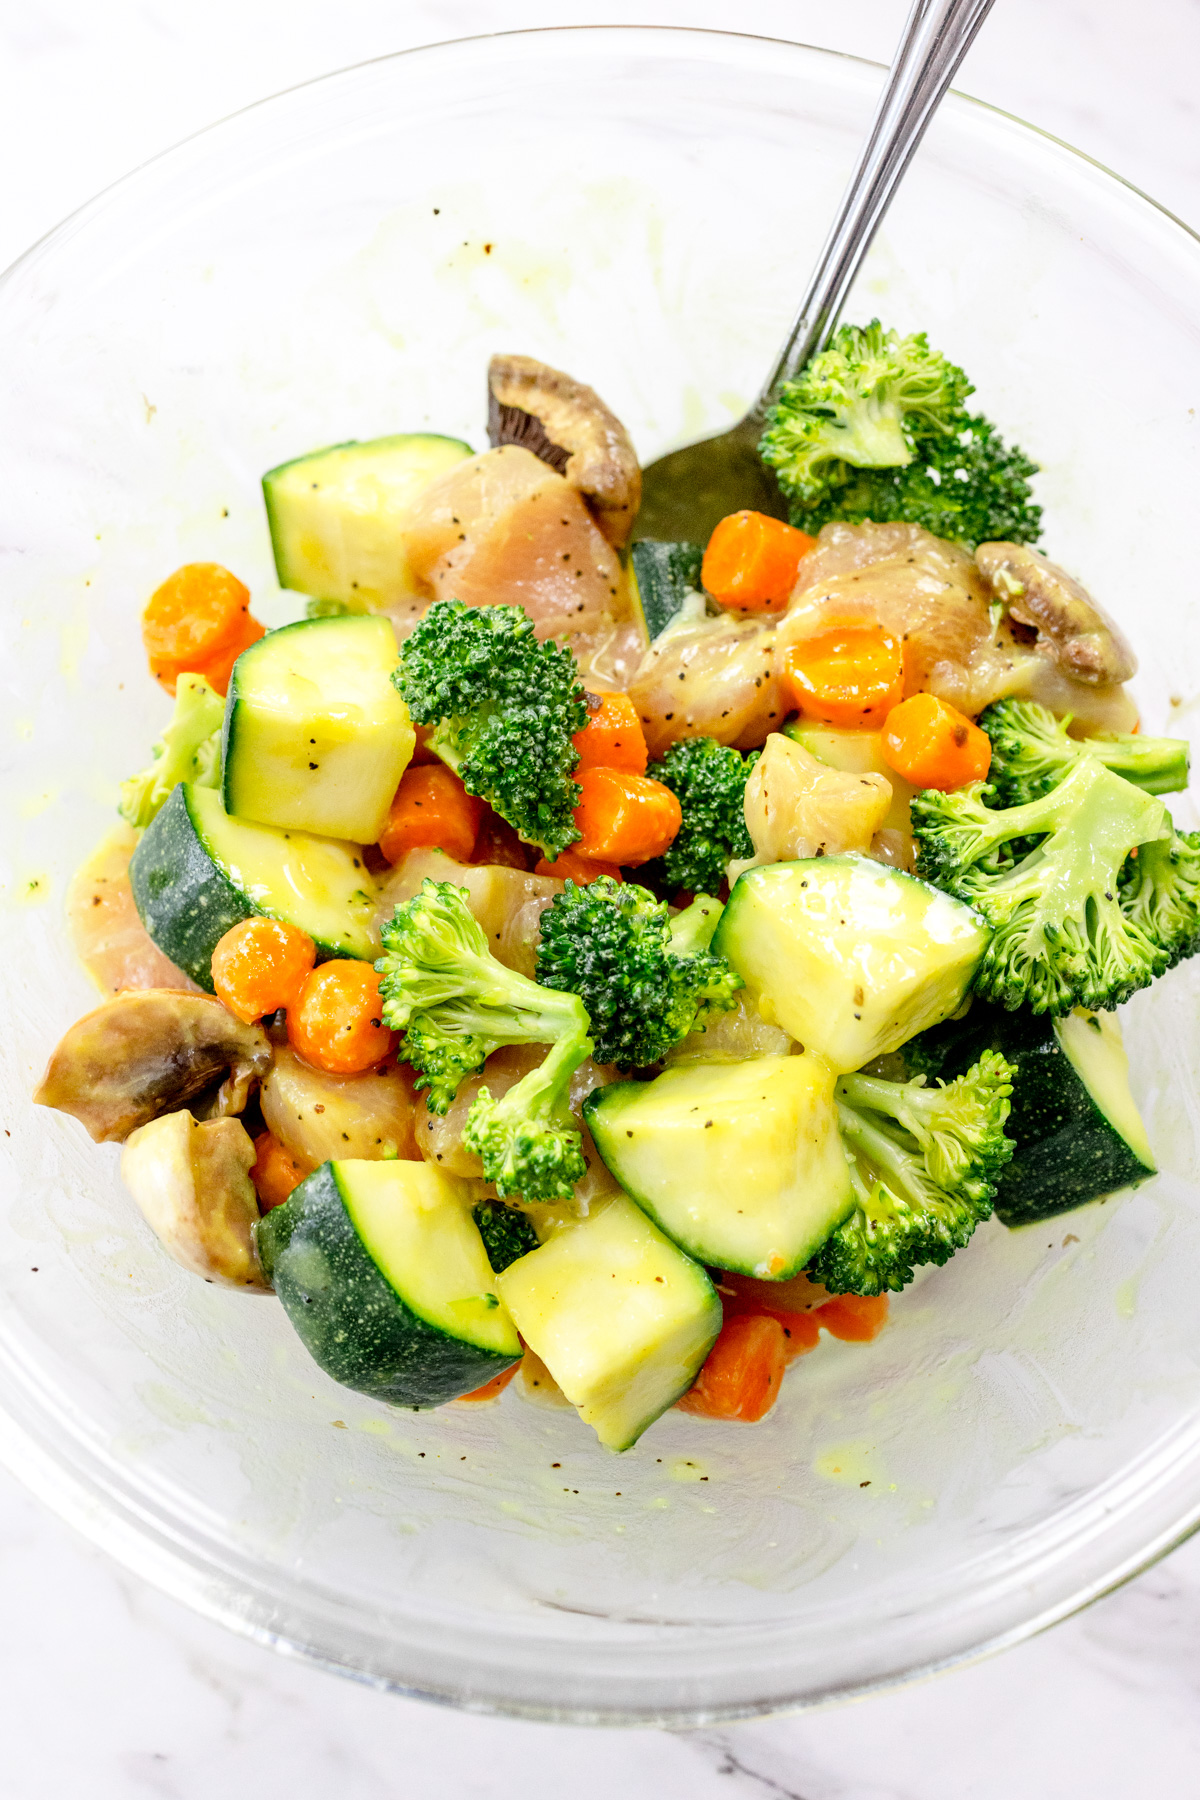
x,y
624,818
569,865
336,1022
933,745
198,622
275,1171
613,737
260,965
751,561
849,675
856,1318
491,1390
432,810
742,1376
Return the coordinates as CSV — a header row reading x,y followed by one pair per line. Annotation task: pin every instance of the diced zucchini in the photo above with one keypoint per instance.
x,y
316,737
739,1163
196,872
662,576
857,753
849,956
621,1318
337,516
383,1273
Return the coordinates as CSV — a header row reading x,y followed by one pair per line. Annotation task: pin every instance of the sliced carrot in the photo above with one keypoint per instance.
x,y
275,1171
261,965
613,737
849,675
624,818
856,1318
568,865
336,1022
751,561
933,745
432,810
491,1390
745,1293
742,1376
198,622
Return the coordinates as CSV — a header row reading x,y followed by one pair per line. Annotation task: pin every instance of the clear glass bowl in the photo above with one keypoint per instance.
x,y
640,207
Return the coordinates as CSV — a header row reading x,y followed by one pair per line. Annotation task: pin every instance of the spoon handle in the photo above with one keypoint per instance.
x,y
937,35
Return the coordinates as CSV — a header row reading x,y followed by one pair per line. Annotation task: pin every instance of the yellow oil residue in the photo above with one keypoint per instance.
x,y
1126,1298
852,1465
28,890
22,728
686,1468
72,645
374,1427
36,804
660,1503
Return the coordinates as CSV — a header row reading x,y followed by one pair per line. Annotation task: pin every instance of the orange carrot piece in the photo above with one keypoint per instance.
x,y
613,737
491,1390
624,818
432,810
198,622
745,1293
275,1171
856,1318
849,675
741,1378
751,561
336,1022
260,965
569,865
933,745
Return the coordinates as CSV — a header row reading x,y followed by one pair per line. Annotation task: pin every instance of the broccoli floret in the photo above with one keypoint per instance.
x,y
504,710
1061,935
1160,892
188,750
1031,753
507,1233
645,978
876,428
456,1003
709,781
923,1163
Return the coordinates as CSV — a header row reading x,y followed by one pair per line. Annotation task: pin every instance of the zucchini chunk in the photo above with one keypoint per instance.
x,y
196,872
620,1317
661,578
849,956
316,737
739,1163
383,1273
337,516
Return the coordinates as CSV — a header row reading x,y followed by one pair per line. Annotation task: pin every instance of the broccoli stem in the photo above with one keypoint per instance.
x,y
693,929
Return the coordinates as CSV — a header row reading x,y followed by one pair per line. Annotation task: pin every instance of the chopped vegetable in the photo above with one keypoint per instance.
x,y
491,1390
198,622
193,1185
743,1372
1031,753
1160,893
850,675
933,745
432,810
797,806
336,1021
505,710
751,562
569,865
275,1171
188,750
855,1318
506,1231
624,818
613,737
260,965
709,781
645,978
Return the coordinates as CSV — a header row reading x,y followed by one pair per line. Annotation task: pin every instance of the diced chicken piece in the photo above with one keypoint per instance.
x,y
709,678
508,903
798,807
318,1117
109,938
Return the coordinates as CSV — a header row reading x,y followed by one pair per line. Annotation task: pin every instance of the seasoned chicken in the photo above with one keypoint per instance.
x,y
319,1117
507,902
109,938
709,677
798,807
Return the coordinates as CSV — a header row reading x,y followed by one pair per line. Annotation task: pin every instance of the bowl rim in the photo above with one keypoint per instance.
x,y
113,1521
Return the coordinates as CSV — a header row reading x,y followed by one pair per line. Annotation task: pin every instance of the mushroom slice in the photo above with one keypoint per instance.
x,y
1077,635
569,427
151,1051
193,1185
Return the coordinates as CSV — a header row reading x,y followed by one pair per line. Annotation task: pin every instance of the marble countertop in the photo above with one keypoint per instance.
x,y
111,1690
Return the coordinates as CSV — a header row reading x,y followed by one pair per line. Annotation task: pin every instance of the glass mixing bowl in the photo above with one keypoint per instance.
x,y
640,207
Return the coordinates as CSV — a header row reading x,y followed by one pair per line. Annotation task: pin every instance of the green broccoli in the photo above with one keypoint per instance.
x,y
1160,892
455,1004
188,750
876,428
1062,937
507,1233
1031,753
709,781
924,1163
645,978
504,710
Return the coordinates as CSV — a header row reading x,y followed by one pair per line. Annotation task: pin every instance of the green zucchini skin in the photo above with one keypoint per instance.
x,y
664,574
185,902
349,1317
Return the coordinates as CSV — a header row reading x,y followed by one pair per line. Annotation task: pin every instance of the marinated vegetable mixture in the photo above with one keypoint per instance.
x,y
619,962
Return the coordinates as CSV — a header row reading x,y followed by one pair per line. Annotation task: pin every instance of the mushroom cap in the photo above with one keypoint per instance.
x,y
1072,630
193,1185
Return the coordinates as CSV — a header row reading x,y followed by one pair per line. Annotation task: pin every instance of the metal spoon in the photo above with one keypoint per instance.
x,y
686,492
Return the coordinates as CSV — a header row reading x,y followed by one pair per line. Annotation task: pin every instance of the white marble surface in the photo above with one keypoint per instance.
x,y
110,1690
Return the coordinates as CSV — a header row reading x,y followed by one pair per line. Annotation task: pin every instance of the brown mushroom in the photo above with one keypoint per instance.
x,y
151,1051
1072,630
193,1185
569,427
